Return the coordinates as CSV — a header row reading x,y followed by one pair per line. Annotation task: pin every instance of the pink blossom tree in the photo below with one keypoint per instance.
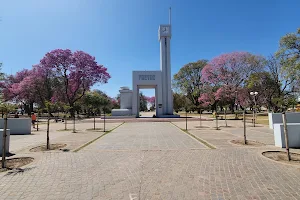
x,y
29,86
76,72
227,74
115,103
21,88
61,76
151,100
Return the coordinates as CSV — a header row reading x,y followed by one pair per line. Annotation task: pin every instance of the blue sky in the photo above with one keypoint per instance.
x,y
122,34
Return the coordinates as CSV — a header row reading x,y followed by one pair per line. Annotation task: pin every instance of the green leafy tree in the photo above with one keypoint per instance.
x,y
96,100
178,102
289,52
265,85
274,85
143,102
188,80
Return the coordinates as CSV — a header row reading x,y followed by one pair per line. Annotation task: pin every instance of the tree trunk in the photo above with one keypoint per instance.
x,y
37,122
65,121
48,125
253,118
104,120
225,117
94,121
200,118
244,119
232,108
74,129
217,126
72,111
286,135
4,142
186,120
27,109
31,107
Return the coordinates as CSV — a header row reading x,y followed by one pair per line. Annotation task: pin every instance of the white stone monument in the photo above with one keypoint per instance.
x,y
159,80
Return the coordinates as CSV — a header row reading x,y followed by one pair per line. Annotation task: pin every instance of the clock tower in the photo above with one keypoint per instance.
x,y
160,80
164,36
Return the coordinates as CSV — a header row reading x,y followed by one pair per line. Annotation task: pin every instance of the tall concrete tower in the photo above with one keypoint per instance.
x,y
164,36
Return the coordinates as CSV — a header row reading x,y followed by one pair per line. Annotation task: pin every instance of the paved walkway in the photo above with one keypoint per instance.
x,y
220,138
146,136
140,161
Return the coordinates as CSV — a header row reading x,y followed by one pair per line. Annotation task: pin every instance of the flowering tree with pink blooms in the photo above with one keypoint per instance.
x,y
29,86
207,98
76,72
62,76
151,101
115,103
226,75
32,86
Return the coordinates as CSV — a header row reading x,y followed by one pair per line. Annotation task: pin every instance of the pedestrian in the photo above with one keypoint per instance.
x,y
33,119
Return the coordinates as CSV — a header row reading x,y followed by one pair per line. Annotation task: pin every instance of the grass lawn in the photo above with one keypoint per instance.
x,y
262,120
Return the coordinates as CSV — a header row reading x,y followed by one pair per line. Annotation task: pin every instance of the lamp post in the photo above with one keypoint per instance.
x,y
254,94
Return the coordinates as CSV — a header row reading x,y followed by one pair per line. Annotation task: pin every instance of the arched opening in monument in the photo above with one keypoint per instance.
x,y
147,107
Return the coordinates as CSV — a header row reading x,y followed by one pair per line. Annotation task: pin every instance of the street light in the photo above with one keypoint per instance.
x,y
254,94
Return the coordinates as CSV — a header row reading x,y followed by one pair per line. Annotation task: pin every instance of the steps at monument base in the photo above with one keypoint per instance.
x,y
121,112
119,117
169,116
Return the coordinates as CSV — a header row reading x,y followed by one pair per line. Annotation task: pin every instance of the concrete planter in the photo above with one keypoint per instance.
x,y
7,140
17,126
293,134
276,118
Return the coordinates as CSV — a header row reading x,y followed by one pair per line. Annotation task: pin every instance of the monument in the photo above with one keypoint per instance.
x,y
159,80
